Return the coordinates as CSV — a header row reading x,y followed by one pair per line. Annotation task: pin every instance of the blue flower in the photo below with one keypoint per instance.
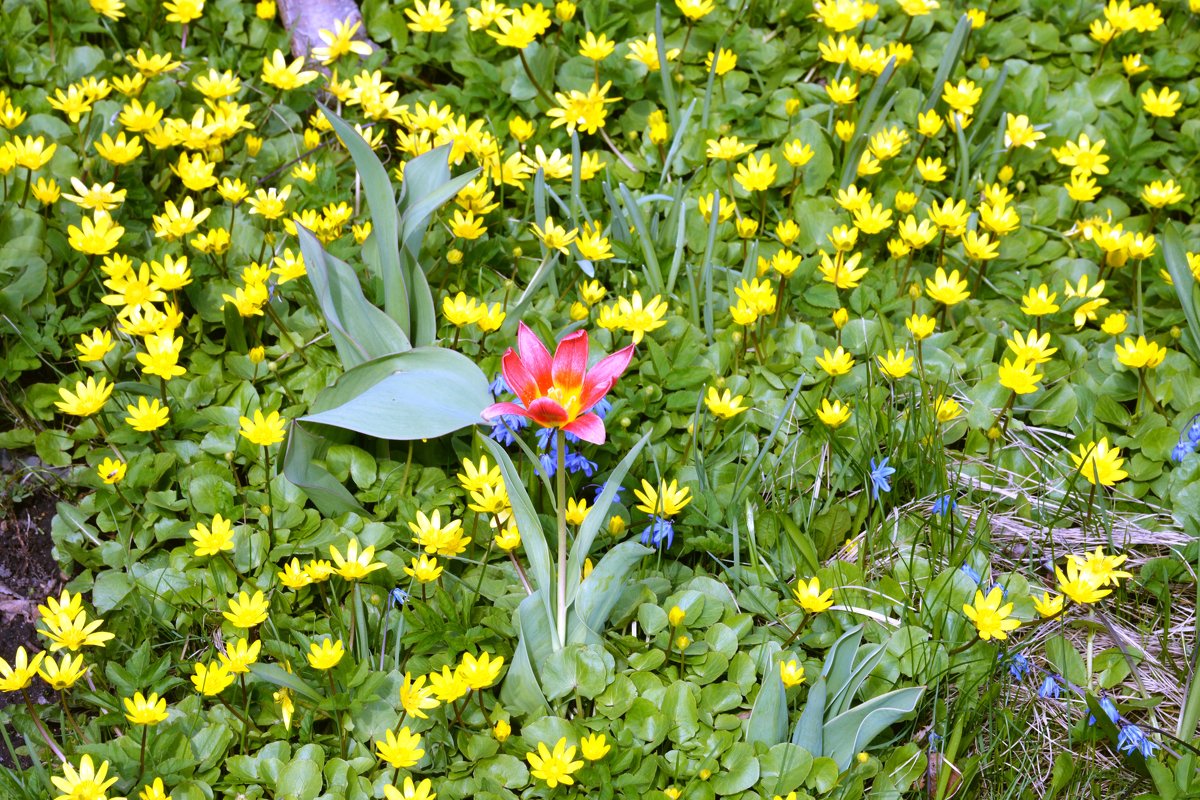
x,y
1018,666
1003,590
1109,709
970,572
397,597
1193,432
545,438
1132,739
935,741
1050,688
657,531
881,474
600,490
602,408
577,462
504,428
944,505
1181,450
549,463
499,387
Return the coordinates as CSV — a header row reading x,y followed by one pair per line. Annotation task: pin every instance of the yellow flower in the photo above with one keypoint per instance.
x,y
1158,194
400,750
1140,354
756,175
726,61
665,501
87,399
340,41
554,236
62,674
482,672
723,405
325,655
947,409
178,221
839,362
246,611
147,416
111,471
142,710
895,365
1020,133
264,431
215,540
154,791
1080,585
1163,103
594,747
947,289
1039,301
963,96
113,9
638,319
553,768
162,356
1048,605
645,52
834,414
1099,465
576,511
502,730
277,72
424,569
1102,567
18,675
211,679
584,111
354,565
791,672
184,11
96,236
920,326
293,575
240,654
596,48
810,597
416,697
411,791
448,686
991,619
842,271
432,17
1019,376
88,783
508,539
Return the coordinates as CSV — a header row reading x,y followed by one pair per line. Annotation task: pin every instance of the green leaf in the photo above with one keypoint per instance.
x,y
950,57
273,673
768,719
110,589
597,516
360,331
418,394
521,690
300,466
810,728
301,779
385,219
849,733
739,770
1185,285
600,590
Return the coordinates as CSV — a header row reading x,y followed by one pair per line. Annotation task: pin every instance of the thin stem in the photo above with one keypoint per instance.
x,y
561,478
337,717
142,753
521,572
62,696
270,499
37,721
529,73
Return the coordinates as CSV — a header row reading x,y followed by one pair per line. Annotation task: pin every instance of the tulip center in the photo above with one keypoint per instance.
x,y
568,399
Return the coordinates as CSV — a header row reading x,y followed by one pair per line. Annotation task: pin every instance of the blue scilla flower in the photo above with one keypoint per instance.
x,y
1110,710
1193,432
549,462
935,741
944,505
600,490
578,462
545,438
1003,590
881,475
1132,739
1050,689
602,408
1018,666
504,428
658,531
1182,449
499,387
970,572
397,597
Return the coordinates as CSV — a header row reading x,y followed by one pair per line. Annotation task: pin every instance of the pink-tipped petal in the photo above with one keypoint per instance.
x,y
547,413
536,357
501,409
570,363
518,378
589,427
601,378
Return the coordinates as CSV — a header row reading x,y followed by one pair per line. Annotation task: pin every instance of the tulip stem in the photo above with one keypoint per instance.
x,y
561,479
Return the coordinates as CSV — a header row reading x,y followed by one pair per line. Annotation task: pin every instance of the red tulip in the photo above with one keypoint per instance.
x,y
559,392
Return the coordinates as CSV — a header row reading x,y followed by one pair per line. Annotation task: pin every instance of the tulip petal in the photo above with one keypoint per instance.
x,y
535,357
500,409
601,377
570,363
547,413
589,427
518,378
